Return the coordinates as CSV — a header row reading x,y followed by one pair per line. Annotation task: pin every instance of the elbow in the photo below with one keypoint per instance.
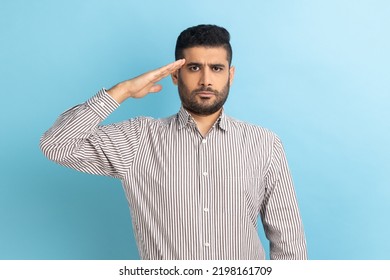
x,y
44,145
47,147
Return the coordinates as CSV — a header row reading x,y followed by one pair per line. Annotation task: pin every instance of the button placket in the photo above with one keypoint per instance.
x,y
205,191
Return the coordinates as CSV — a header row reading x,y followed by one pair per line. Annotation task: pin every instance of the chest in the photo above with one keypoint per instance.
x,y
187,158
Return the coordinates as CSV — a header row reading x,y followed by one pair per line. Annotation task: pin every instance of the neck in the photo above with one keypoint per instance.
x,y
205,122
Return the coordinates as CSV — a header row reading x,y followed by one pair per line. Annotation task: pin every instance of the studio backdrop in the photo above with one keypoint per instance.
x,y
314,72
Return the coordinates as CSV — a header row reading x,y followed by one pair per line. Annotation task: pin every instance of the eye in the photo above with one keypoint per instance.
x,y
217,68
194,68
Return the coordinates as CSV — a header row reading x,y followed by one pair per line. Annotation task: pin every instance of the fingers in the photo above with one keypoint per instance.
x,y
163,72
143,84
166,70
155,88
171,67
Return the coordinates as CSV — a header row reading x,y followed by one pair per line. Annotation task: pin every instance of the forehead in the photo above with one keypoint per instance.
x,y
206,55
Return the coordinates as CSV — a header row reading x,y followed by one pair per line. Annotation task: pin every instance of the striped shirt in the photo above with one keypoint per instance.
x,y
191,197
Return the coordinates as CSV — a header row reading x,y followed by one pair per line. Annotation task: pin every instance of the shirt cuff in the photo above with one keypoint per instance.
x,y
102,104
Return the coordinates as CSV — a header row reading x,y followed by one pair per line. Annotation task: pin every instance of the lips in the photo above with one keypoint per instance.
x,y
205,94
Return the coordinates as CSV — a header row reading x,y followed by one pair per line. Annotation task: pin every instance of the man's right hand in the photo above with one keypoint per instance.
x,y
140,86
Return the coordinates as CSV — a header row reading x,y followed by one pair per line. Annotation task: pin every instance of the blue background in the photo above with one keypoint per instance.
x,y
315,72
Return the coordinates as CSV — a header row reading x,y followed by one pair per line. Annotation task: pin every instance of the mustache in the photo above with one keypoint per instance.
x,y
202,89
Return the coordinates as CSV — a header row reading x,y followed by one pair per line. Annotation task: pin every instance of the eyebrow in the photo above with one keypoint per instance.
x,y
201,64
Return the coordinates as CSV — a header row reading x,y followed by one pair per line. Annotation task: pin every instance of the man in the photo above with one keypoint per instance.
x,y
196,181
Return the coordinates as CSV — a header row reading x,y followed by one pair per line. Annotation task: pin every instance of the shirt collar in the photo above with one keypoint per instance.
x,y
184,118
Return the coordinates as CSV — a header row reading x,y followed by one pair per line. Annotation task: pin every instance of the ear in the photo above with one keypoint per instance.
x,y
175,77
232,70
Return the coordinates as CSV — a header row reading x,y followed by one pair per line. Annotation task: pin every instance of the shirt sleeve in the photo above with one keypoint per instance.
x,y
76,139
279,210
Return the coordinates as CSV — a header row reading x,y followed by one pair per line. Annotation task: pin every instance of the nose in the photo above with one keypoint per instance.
x,y
205,78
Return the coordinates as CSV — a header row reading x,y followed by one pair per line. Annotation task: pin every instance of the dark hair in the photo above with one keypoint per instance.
x,y
205,35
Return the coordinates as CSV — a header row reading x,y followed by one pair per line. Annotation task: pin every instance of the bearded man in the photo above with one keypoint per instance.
x,y
197,181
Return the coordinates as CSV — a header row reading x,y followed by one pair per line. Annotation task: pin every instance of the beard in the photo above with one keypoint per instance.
x,y
202,106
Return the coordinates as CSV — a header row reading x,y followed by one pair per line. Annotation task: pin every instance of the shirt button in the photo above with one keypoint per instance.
x,y
205,173
206,209
102,104
207,244
204,141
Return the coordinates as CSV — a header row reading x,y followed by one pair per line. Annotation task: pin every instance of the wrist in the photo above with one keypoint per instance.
x,y
118,93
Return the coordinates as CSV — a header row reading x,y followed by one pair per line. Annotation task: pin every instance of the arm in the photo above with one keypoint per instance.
x,y
76,140
279,211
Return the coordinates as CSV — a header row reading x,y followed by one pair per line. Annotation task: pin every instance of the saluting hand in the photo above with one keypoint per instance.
x,y
144,84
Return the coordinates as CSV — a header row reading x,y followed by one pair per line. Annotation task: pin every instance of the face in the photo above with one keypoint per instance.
x,y
204,80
